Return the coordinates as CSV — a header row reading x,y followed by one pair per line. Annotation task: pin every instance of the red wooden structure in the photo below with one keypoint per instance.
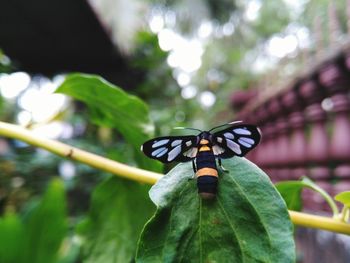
x,y
306,128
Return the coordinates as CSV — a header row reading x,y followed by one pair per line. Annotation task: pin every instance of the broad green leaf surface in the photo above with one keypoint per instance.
x,y
110,106
344,198
247,222
119,209
38,238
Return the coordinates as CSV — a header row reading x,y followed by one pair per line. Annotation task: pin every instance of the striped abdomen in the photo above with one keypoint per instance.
x,y
207,174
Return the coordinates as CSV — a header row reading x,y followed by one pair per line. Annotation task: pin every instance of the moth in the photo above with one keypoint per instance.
x,y
204,149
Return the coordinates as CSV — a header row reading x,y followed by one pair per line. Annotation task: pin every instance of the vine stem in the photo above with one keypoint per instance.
x,y
320,222
19,133
308,183
344,215
67,151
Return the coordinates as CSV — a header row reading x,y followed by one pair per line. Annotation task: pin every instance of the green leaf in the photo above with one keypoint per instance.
x,y
110,106
11,237
46,226
119,209
344,198
39,237
291,193
247,222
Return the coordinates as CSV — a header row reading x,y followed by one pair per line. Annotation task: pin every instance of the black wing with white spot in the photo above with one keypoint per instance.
x,y
171,148
235,140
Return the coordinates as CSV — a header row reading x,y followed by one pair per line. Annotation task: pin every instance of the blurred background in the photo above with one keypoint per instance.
x,y
281,64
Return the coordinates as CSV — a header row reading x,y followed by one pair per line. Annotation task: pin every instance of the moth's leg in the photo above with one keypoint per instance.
x,y
194,166
194,170
221,167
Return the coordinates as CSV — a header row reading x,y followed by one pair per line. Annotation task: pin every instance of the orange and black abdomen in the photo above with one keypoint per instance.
x,y
207,174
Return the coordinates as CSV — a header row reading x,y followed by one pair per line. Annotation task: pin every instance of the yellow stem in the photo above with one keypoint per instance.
x,y
320,222
99,162
140,175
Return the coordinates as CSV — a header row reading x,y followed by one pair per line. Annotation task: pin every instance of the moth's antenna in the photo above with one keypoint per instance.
x,y
185,128
230,123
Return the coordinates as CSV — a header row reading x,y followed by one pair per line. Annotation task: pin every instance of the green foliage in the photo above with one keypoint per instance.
x,y
150,58
344,198
39,236
11,235
110,106
5,63
46,225
119,209
264,26
247,222
291,192
221,10
148,55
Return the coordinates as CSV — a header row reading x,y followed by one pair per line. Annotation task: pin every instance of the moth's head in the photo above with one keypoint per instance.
x,y
205,138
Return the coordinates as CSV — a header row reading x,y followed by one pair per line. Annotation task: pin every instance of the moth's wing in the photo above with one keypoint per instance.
x,y
237,140
171,148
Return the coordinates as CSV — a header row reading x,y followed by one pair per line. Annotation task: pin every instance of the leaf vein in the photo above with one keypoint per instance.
x,y
260,219
233,229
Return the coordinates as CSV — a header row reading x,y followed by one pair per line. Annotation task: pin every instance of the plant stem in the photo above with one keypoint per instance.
x,y
320,222
344,215
308,183
67,151
140,175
